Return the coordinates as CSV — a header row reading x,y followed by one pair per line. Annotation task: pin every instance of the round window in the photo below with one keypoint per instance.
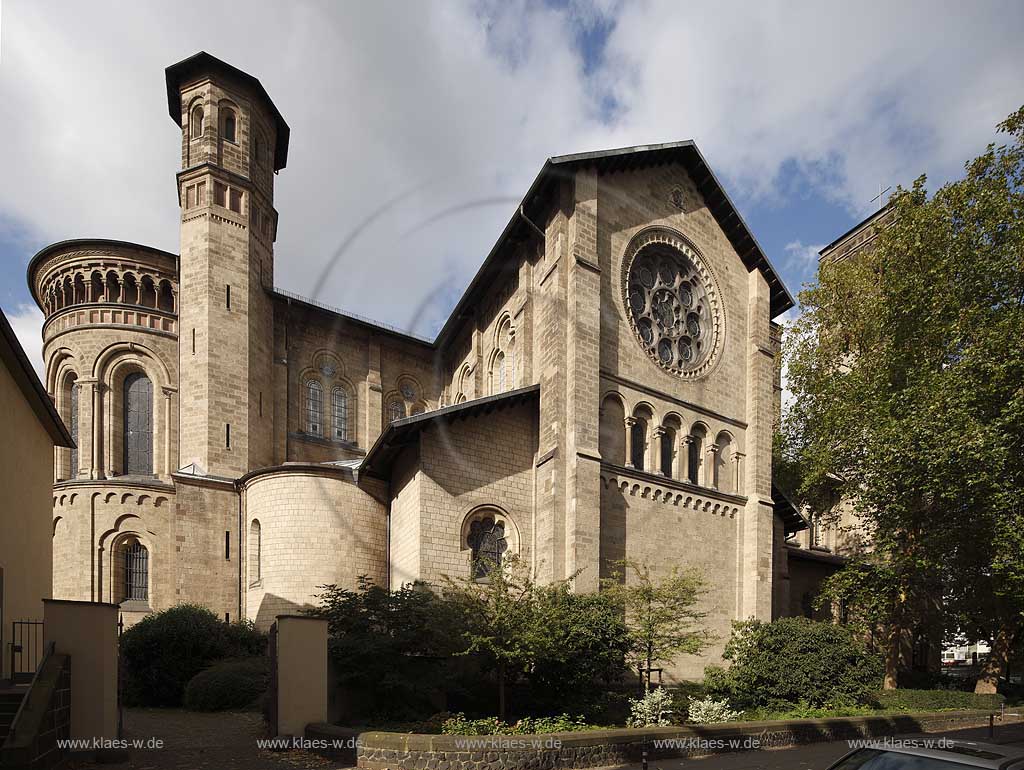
x,y
671,302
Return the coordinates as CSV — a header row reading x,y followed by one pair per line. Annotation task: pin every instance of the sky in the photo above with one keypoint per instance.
x,y
417,127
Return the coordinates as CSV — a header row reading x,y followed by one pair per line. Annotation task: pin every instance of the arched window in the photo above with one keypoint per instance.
x,y
612,435
314,408
136,572
498,373
638,442
668,450
147,293
694,451
196,121
130,291
165,298
724,469
339,413
230,128
72,416
255,552
396,410
487,541
138,425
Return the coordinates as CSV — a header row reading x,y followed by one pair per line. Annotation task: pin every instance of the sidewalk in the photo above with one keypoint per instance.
x,y
817,756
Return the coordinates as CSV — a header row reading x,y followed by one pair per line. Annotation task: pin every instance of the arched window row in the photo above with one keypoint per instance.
x,y
121,287
637,440
504,359
406,401
328,410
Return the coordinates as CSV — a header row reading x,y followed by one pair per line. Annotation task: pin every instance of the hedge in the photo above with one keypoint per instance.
x,y
936,700
163,651
229,684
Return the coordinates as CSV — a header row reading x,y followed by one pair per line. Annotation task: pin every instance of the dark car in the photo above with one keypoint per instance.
x,y
932,754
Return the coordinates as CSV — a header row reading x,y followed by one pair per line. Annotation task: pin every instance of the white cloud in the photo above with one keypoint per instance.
x,y
852,94
805,256
446,104
27,322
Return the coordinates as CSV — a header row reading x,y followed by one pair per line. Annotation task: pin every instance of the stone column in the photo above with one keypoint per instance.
x,y
737,460
709,466
167,430
683,461
630,422
654,459
96,470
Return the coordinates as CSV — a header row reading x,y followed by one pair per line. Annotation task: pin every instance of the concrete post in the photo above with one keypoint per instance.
x,y
87,631
301,673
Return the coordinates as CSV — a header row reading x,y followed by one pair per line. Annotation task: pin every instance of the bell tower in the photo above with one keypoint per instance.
x,y
233,141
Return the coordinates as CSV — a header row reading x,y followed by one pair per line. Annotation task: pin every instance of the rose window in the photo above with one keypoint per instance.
x,y
672,303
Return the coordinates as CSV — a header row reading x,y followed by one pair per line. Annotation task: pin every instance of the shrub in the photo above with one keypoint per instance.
x,y
163,651
652,710
710,711
795,660
936,700
228,684
457,724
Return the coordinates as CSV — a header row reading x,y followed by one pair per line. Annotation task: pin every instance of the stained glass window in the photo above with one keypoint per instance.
x,y
670,306
487,541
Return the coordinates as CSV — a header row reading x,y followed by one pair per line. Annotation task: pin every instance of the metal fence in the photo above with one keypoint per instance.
x,y
26,649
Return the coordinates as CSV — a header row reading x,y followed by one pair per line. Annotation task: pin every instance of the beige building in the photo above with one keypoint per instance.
x,y
606,388
32,429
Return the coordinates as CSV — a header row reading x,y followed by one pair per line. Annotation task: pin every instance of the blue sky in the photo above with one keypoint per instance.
x,y
417,127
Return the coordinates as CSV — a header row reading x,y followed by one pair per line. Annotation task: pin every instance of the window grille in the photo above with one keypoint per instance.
x,y
396,411
314,408
340,414
136,572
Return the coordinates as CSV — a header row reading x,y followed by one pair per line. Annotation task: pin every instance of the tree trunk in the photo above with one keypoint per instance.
x,y
501,690
993,668
647,677
893,650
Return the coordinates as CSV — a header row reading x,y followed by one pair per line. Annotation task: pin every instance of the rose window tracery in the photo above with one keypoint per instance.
x,y
672,303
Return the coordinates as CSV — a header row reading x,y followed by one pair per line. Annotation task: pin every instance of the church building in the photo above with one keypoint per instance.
x,y
605,389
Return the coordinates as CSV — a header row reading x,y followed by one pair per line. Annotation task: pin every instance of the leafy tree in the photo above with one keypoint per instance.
x,y
390,647
582,645
906,366
662,616
502,620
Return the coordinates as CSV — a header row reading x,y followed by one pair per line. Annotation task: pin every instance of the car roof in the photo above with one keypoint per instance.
x,y
971,753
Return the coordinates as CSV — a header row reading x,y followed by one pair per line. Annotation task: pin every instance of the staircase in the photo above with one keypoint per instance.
x,y
10,700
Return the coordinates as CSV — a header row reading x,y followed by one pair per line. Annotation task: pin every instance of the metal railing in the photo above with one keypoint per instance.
x,y
15,724
26,648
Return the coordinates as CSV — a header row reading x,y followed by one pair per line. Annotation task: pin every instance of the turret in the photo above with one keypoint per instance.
x,y
233,140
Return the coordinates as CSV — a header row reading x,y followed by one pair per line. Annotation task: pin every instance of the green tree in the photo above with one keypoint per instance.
x,y
502,620
389,647
907,365
662,616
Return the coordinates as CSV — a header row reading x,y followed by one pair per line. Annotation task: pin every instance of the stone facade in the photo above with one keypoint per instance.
x,y
285,445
